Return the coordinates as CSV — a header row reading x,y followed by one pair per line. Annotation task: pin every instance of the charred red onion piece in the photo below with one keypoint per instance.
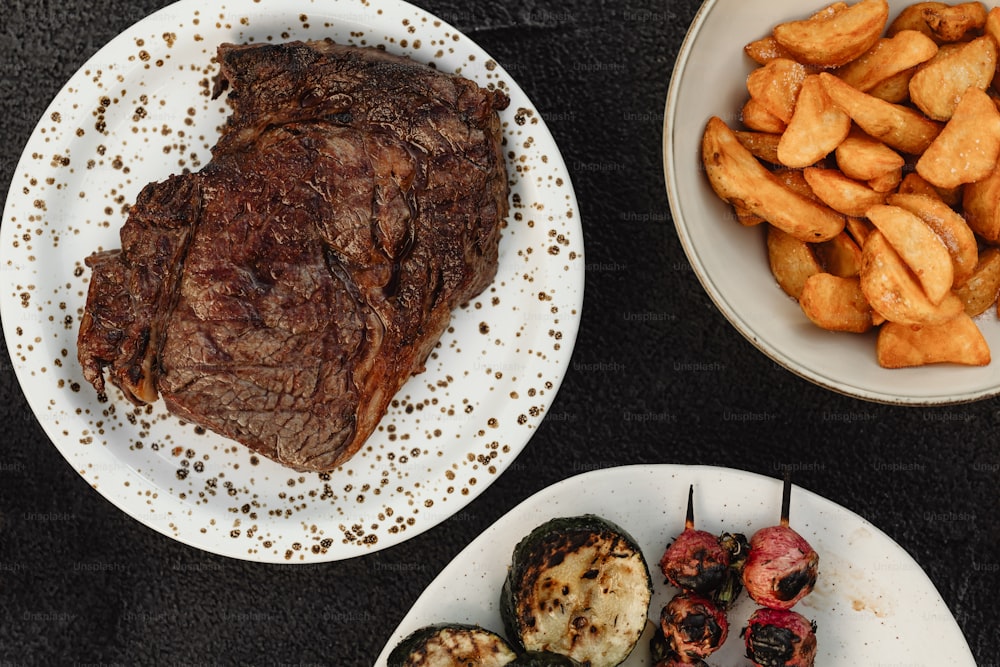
x,y
693,626
782,567
780,638
695,561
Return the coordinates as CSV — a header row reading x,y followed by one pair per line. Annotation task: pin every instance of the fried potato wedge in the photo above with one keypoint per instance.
x,y
835,304
898,126
737,176
953,23
967,148
792,261
937,87
918,246
842,194
894,292
950,227
756,117
980,291
981,206
889,57
776,85
816,128
858,229
895,89
763,145
863,158
836,38
766,49
958,341
840,256
940,21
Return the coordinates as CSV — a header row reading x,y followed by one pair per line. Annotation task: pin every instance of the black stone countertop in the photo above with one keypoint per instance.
x,y
598,72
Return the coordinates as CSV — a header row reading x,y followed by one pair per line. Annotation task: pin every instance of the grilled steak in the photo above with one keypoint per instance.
x,y
284,293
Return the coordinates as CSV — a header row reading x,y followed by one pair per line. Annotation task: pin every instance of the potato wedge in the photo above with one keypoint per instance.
x,y
737,176
950,227
837,38
859,229
835,304
816,128
953,23
958,341
897,126
763,145
919,247
967,148
937,86
894,292
792,261
842,194
980,291
840,256
981,206
757,118
863,158
895,89
940,21
776,85
889,57
766,49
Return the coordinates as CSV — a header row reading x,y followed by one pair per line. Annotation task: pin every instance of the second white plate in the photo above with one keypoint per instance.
x,y
873,604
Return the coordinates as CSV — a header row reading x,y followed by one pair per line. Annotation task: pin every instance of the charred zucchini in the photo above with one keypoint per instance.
x,y
543,659
452,645
580,587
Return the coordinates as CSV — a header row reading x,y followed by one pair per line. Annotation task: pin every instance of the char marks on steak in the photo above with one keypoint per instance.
x,y
283,294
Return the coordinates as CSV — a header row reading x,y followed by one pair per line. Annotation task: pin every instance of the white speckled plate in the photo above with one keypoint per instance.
x,y
872,603
731,260
139,110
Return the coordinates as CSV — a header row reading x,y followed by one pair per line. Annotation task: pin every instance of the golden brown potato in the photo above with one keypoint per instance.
x,y
837,38
940,21
950,227
969,145
756,117
894,292
889,57
836,304
816,128
895,89
842,194
939,84
957,341
840,256
981,206
897,126
792,261
980,291
763,145
920,248
776,85
766,49
736,175
863,158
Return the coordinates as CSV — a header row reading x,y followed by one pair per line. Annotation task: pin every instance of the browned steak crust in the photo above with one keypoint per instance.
x,y
283,294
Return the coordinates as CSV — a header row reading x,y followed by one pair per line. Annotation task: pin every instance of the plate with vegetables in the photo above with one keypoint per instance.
x,y
549,576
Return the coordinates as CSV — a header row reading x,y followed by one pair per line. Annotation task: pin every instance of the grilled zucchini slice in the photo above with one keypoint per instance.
x,y
452,645
578,586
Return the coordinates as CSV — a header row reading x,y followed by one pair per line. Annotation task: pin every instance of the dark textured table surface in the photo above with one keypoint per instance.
x,y
927,477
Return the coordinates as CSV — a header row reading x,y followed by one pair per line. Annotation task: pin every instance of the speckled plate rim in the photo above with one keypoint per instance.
x,y
508,350
869,588
792,344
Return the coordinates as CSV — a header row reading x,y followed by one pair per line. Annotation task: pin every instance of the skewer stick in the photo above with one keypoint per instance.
x,y
689,519
786,498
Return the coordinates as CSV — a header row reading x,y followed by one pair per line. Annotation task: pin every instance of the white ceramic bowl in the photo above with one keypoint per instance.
x,y
731,261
